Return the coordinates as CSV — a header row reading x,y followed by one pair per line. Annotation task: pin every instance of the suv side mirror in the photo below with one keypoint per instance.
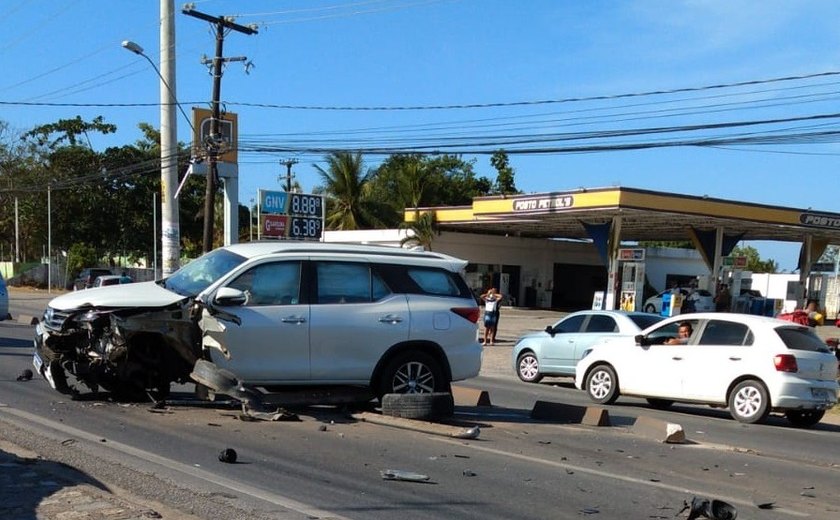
x,y
641,341
229,297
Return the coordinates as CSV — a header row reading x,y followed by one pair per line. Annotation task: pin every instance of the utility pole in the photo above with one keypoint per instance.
x,y
221,24
170,245
288,163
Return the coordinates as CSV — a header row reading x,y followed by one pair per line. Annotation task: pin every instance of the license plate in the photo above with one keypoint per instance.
x,y
821,394
37,362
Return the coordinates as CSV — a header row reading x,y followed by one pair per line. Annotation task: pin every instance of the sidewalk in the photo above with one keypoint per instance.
x,y
34,488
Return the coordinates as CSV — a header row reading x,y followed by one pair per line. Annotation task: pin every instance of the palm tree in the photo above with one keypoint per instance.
x,y
345,185
422,230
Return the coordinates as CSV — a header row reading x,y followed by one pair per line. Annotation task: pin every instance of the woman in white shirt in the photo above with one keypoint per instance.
x,y
492,301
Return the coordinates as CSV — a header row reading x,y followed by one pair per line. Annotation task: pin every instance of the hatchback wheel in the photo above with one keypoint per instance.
x,y
804,418
412,373
528,368
749,402
602,384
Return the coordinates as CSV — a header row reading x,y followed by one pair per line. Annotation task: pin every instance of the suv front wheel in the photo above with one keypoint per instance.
x,y
412,372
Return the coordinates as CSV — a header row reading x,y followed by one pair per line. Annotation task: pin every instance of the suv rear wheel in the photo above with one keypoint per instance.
x,y
412,372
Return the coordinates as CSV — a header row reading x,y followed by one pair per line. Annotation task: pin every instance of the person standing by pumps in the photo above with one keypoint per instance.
x,y
492,301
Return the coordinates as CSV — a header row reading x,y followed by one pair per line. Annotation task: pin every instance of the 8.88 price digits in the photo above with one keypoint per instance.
x,y
308,205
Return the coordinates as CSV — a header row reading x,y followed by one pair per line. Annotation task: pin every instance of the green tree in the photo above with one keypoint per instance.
x,y
422,230
346,187
414,180
754,261
505,183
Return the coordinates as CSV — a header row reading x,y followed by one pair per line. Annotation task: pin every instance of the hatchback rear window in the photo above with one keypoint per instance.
x,y
801,338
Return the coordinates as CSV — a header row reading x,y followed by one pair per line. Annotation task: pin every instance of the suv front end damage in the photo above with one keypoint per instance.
x,y
127,351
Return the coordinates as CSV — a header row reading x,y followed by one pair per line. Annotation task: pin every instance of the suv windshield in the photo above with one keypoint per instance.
x,y
201,272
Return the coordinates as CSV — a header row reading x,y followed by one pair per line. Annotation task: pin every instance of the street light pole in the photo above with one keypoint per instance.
x,y
170,227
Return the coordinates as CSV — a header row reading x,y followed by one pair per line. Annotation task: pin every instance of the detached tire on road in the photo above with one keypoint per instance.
x,y
418,406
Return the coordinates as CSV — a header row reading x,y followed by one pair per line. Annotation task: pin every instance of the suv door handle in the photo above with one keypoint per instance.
x,y
293,319
390,318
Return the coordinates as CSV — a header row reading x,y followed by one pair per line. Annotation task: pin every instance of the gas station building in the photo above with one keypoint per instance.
x,y
564,249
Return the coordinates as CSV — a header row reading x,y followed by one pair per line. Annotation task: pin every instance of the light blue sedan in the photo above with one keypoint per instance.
x,y
556,350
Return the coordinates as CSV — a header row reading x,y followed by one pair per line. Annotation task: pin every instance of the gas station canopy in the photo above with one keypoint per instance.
x,y
645,216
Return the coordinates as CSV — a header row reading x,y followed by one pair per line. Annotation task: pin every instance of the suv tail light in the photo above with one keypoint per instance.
x,y
468,313
785,363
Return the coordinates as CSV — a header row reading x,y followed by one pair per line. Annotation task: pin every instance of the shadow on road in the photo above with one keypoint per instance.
x,y
36,488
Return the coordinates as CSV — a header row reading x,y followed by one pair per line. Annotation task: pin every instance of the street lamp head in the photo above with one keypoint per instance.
x,y
133,47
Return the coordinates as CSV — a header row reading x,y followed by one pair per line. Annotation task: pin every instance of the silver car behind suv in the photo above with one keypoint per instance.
x,y
265,314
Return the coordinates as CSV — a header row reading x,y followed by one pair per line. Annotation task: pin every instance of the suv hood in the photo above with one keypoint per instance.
x,y
142,294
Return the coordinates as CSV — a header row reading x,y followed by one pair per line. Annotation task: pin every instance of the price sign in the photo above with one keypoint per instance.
x,y
301,227
305,205
291,215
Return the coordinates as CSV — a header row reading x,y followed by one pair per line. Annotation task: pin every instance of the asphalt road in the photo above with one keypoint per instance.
x,y
329,466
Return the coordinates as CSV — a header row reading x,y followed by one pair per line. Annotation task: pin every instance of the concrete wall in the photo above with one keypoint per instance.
x,y
661,262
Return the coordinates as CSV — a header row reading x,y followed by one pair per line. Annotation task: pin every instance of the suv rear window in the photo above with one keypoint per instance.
x,y
801,338
435,281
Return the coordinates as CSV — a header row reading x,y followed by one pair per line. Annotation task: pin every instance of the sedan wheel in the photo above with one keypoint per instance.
x,y
749,402
528,368
804,418
602,384
650,308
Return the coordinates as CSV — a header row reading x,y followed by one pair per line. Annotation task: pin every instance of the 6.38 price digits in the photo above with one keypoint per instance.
x,y
309,205
305,227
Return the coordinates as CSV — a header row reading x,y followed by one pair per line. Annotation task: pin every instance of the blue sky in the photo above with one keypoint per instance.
x,y
383,54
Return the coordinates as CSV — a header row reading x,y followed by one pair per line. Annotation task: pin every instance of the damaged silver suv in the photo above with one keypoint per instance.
x,y
270,314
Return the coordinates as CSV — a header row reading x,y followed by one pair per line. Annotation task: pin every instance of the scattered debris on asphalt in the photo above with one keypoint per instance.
x,y
26,375
590,511
250,414
469,473
405,476
713,509
228,456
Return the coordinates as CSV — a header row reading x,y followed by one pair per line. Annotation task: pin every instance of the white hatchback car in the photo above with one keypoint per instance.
x,y
751,364
701,299
271,313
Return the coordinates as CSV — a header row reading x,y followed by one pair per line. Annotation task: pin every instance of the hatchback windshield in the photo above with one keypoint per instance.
x,y
201,272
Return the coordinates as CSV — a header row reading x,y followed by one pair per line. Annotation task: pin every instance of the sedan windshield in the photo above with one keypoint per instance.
x,y
201,272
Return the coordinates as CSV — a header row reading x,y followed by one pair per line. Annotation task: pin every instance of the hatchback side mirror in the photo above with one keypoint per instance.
x,y
229,297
